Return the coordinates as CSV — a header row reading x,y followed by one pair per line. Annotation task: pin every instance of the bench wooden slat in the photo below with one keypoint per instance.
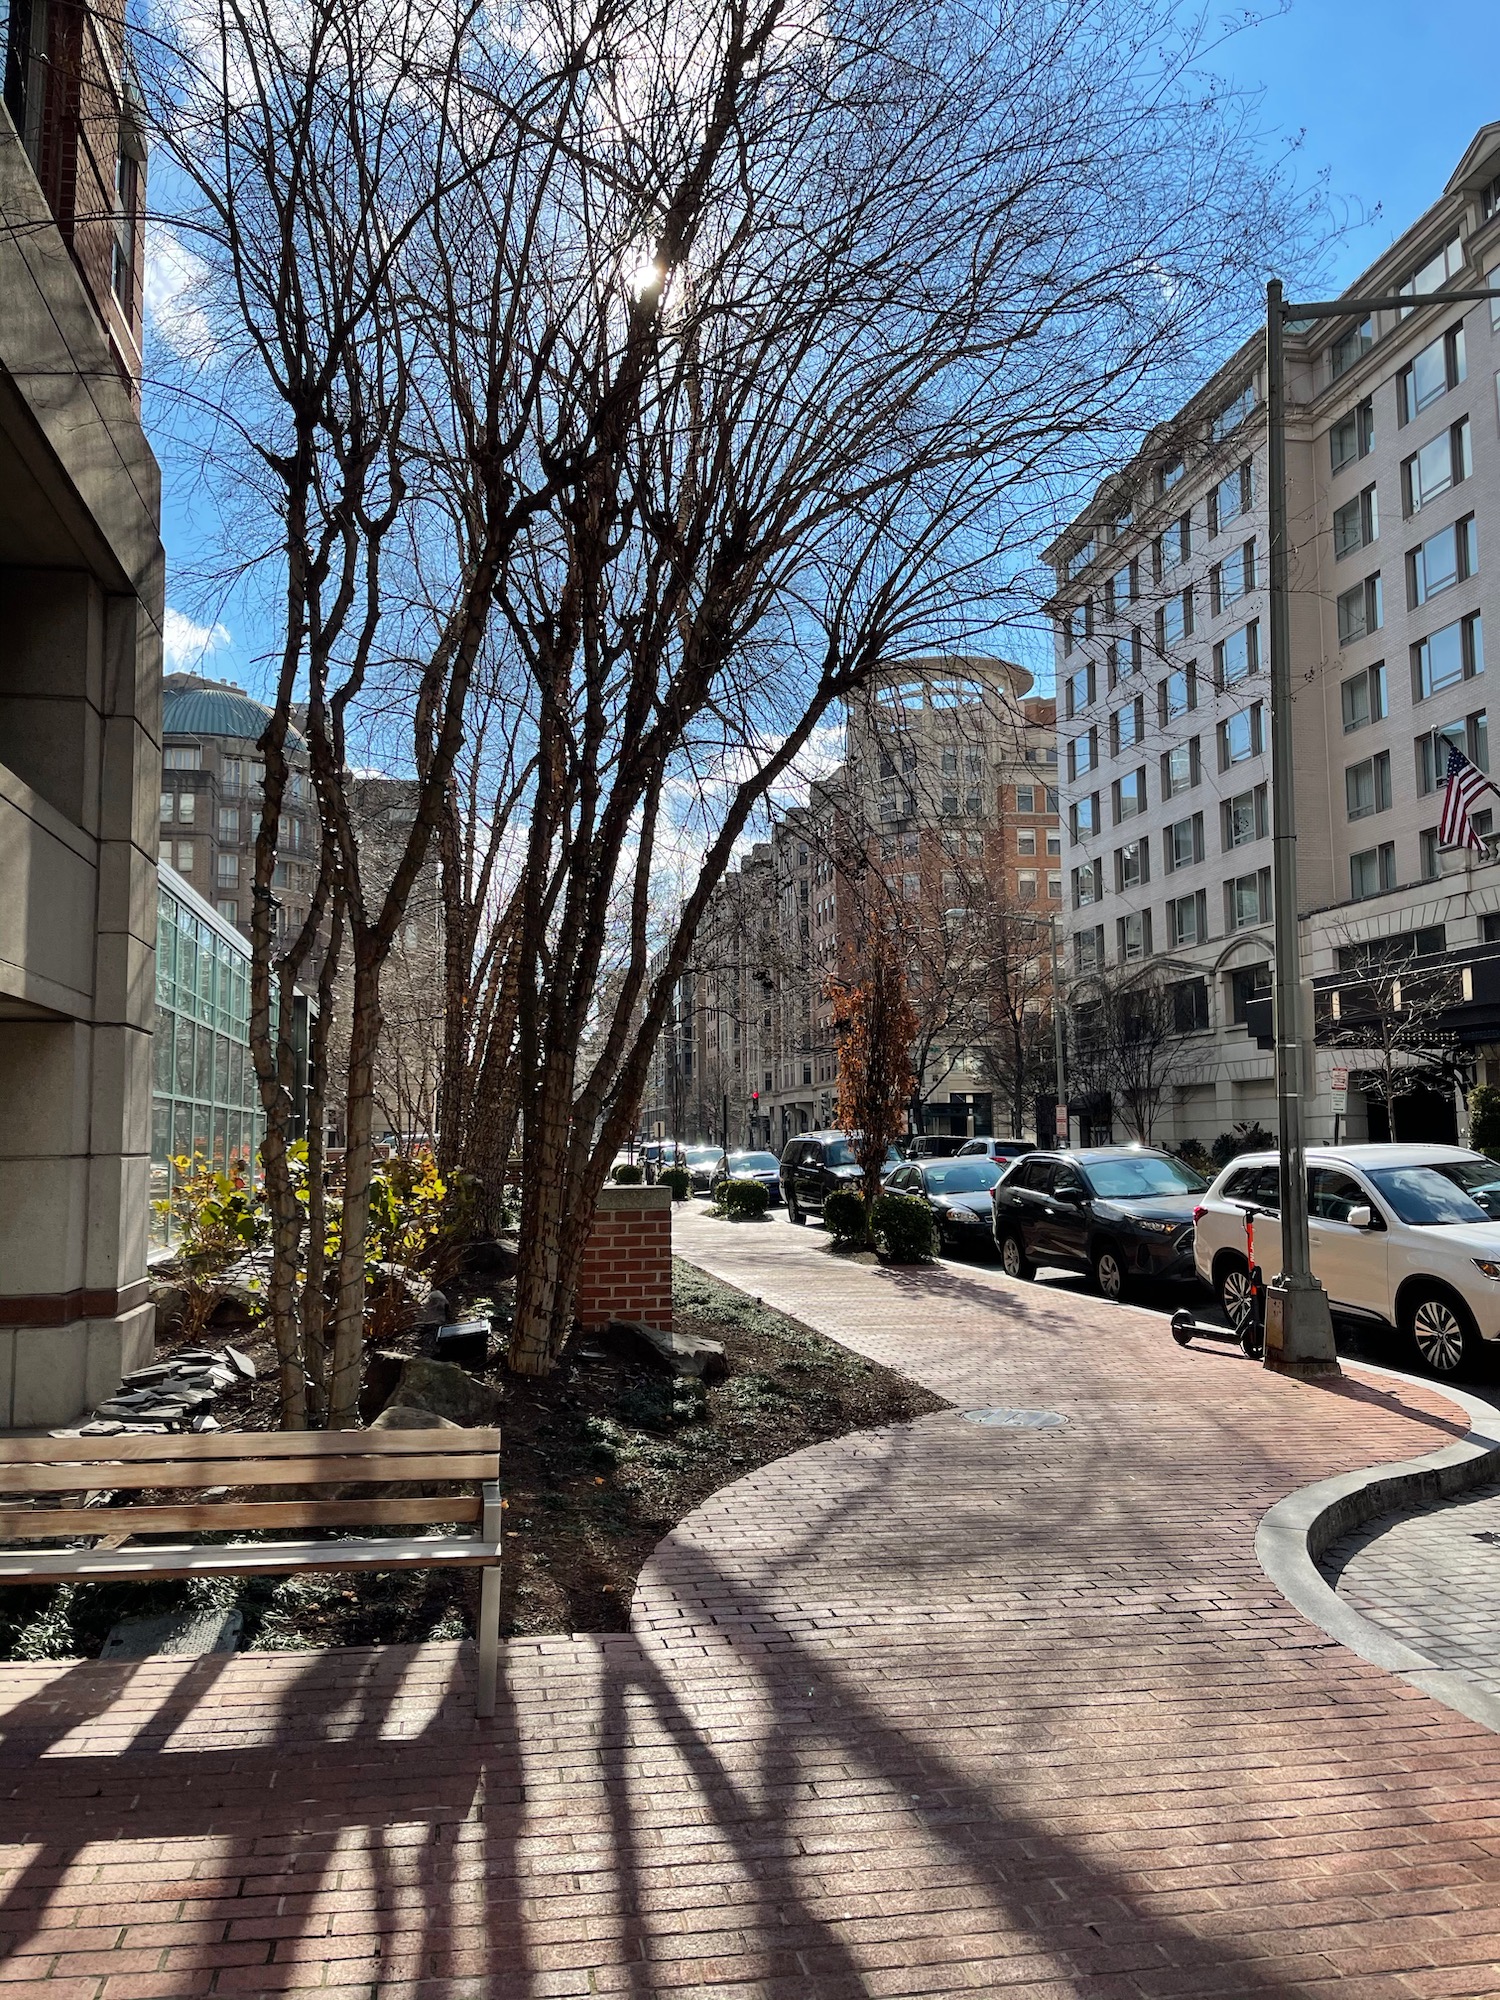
x,y
45,1523
107,1478
200,1445
242,1559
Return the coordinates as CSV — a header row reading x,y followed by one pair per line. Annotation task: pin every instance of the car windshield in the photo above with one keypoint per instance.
x,y
841,1154
1426,1196
1478,1178
703,1156
752,1163
961,1177
1130,1180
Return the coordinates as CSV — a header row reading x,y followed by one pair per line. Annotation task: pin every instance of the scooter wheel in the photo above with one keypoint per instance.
x,y
1252,1342
1182,1328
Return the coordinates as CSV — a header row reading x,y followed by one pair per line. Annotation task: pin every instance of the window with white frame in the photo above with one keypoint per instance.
x,y
1182,843
1442,463
1247,900
182,757
1450,556
1134,941
1244,818
1132,865
1451,654
1362,697
1444,263
1469,735
1187,919
1439,367
1025,798
1026,841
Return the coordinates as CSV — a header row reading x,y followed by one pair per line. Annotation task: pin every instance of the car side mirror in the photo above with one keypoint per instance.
x,y
1073,1196
1360,1218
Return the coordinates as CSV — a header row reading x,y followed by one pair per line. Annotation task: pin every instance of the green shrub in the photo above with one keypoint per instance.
x,y
679,1180
740,1199
1484,1118
1193,1153
628,1176
903,1228
1241,1138
844,1215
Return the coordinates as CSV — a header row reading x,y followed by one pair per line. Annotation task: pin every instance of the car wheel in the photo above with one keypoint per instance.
x,y
1235,1294
1108,1270
793,1213
1013,1259
1444,1334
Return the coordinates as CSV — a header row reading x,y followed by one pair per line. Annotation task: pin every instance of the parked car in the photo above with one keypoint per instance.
x,y
933,1146
817,1163
1118,1212
703,1164
1403,1236
659,1154
995,1149
762,1167
958,1193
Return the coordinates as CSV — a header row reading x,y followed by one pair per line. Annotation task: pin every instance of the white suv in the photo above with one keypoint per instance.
x,y
1407,1235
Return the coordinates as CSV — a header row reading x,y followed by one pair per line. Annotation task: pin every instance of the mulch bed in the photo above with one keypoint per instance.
x,y
600,1460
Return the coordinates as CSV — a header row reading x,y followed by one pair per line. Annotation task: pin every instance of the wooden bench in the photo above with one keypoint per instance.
x,y
40,1468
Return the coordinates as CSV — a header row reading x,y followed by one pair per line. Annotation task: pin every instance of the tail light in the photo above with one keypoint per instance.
x,y
1199,1212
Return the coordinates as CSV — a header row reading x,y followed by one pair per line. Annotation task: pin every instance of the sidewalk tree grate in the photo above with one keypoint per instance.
x,y
1016,1420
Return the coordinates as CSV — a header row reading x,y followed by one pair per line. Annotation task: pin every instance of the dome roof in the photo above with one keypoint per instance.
x,y
207,708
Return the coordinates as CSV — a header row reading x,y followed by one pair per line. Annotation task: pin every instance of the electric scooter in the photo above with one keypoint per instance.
x,y
1247,1313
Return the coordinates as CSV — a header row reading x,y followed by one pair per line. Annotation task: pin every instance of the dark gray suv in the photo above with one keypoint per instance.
x,y
1117,1212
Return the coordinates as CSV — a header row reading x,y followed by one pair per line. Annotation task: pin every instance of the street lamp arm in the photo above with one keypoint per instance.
x,y
1382,302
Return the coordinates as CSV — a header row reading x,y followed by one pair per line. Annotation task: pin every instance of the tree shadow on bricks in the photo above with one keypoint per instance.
x,y
254,1835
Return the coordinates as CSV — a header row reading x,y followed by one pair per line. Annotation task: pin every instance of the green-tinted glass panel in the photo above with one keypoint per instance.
x,y
220,1154
183,1042
203,1065
161,1052
201,1133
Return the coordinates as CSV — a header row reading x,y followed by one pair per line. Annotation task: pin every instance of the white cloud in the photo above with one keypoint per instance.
x,y
175,286
186,645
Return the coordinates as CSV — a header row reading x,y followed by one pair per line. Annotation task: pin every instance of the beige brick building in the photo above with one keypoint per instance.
x,y
1394,490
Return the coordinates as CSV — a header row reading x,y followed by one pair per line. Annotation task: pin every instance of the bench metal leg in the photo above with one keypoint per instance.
x,y
489,1642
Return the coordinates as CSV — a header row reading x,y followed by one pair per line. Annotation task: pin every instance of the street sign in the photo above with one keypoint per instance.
x,y
1062,1121
1339,1082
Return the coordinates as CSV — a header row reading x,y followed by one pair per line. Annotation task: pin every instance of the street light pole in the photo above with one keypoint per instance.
x,y
1057,1034
1299,1332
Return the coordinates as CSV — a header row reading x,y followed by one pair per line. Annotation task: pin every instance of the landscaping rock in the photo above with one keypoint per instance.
x,y
446,1391
680,1353
493,1257
171,1302
409,1417
382,1373
242,1364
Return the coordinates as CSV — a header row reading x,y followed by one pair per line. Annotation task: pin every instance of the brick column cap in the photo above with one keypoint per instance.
x,y
632,1200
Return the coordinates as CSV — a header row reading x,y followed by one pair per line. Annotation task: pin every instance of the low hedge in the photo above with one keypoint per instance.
x,y
627,1176
742,1200
844,1215
903,1229
679,1180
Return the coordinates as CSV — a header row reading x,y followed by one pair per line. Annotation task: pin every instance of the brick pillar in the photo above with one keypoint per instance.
x,y
627,1262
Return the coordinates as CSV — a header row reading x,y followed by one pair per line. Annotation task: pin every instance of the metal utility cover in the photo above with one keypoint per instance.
x,y
1016,1420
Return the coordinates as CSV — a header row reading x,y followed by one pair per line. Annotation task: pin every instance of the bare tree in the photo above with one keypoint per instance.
x,y
875,1025
1129,1042
1389,1015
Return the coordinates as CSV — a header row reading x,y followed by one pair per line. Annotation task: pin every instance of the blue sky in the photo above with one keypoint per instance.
x,y
1386,93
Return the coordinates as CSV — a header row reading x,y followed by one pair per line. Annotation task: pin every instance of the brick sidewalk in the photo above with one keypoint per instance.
x,y
1433,1579
943,1709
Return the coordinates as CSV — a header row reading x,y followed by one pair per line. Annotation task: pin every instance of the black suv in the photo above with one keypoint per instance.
x,y
818,1164
1117,1212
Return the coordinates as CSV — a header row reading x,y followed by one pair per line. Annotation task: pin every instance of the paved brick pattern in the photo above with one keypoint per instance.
x,y
1431,1578
944,1709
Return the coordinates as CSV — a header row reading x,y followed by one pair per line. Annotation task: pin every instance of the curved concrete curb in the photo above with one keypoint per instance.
x,y
1297,1530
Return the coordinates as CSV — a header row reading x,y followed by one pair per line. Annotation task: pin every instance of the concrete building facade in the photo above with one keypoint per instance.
x,y
1393,456
80,673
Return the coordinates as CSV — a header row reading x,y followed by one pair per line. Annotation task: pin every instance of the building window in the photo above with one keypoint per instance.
x,y
1353,436
1083,753
1026,842
1469,735
1452,654
1190,1006
1085,818
1187,919
1054,888
1349,348
1026,885
1247,900
1356,524
1177,694
1088,886
228,909
1132,865
168,804
1428,852
184,857
1180,768
1360,610
1232,579
186,808
1127,725
181,757
1244,818
1182,843
1134,936
1373,872
1435,273
227,870
1439,367
1169,475
127,216
1446,558
1232,497
1174,621
1362,697
229,822
164,854
1129,795
1367,786
1240,737
1237,657
1026,798
1247,983
1446,461
1233,414
1088,949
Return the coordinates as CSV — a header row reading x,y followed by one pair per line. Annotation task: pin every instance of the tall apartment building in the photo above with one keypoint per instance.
x,y
80,673
1393,456
943,814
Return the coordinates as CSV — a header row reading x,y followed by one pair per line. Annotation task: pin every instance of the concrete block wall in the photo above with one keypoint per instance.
x,y
627,1263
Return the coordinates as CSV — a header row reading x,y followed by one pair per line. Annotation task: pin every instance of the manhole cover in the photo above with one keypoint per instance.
x,y
1016,1420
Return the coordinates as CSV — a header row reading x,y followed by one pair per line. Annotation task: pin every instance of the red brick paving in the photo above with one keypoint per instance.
x,y
939,1710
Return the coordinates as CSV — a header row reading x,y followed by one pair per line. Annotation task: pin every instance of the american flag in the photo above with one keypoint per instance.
x,y
1466,784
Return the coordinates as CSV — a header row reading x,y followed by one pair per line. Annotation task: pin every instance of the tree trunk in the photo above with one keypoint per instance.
x,y
314,1299
349,1315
